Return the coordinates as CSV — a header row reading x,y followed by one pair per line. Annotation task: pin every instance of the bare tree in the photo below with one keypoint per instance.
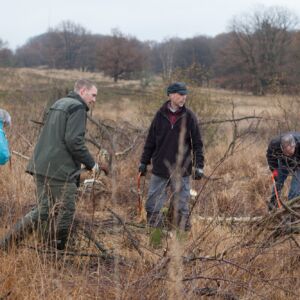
x,y
167,57
74,38
6,55
121,56
261,40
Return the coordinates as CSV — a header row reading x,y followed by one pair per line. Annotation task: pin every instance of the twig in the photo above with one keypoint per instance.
x,y
90,236
79,254
133,241
207,291
230,120
222,260
228,220
21,155
37,122
128,149
152,275
95,143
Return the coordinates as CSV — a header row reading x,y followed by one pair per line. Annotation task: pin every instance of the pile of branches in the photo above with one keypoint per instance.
x,y
280,225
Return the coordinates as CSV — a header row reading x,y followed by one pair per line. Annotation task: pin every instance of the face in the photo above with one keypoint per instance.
x,y
288,150
89,95
177,100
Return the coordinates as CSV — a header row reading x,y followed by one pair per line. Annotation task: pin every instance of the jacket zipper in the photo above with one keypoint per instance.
x,y
172,125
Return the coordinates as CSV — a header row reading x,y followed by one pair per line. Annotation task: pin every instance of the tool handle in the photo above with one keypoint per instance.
x,y
276,192
139,193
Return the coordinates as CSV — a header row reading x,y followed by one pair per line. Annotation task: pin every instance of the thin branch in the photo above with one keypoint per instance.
x,y
20,155
230,120
133,241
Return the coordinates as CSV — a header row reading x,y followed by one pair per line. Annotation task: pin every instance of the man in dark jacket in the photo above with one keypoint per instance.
x,y
57,158
174,146
283,156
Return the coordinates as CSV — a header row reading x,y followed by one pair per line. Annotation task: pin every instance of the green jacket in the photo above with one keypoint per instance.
x,y
61,148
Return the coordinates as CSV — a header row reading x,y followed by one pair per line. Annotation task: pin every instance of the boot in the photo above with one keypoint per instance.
x,y
272,204
184,223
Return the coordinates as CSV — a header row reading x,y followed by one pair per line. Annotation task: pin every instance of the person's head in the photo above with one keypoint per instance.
x,y
177,92
288,144
5,117
86,90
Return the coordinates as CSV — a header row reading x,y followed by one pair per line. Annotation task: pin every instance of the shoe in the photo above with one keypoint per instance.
x,y
184,223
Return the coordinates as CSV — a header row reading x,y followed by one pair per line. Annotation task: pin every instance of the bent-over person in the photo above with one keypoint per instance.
x,y
283,156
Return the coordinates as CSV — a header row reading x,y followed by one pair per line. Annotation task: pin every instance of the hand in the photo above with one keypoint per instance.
x,y
198,174
143,169
104,168
97,169
275,173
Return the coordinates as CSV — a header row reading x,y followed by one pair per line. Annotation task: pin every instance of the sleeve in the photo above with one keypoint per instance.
x,y
150,144
75,137
272,157
197,144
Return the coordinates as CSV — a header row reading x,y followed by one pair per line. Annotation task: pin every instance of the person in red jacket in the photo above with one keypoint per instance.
x,y
175,149
283,156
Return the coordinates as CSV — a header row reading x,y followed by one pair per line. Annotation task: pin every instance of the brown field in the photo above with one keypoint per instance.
x,y
216,260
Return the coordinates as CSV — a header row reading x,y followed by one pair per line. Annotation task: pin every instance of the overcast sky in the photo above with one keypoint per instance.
x,y
144,19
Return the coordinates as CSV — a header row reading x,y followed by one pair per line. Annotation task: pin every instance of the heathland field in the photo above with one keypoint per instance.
x,y
235,250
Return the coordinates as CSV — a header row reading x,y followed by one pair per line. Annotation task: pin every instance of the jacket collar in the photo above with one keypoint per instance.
x,y
74,95
165,108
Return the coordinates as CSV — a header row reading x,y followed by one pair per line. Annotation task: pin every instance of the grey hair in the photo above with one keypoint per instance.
x,y
81,83
5,117
287,140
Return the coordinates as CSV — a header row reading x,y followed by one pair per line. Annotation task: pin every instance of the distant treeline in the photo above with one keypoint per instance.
x,y
260,53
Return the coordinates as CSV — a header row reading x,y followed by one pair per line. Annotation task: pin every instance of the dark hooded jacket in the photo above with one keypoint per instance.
x,y
275,156
162,143
61,148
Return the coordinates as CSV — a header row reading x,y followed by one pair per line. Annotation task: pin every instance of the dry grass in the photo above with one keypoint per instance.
x,y
216,256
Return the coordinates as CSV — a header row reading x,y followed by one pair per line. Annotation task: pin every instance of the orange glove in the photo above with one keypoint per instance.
x,y
275,173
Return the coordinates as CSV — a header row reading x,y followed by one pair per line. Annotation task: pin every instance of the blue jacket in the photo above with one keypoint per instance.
x,y
4,147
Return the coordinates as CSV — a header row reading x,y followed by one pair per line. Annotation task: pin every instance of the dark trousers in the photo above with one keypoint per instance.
x,y
56,203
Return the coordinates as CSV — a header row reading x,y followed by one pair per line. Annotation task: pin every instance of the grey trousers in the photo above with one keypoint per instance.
x,y
55,198
157,196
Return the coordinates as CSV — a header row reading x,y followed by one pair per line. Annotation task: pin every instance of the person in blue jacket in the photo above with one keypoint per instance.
x,y
5,120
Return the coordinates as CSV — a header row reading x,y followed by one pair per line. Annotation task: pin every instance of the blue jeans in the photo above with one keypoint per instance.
x,y
157,194
295,183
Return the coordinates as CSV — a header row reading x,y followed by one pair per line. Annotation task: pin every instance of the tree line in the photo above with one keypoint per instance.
x,y
260,53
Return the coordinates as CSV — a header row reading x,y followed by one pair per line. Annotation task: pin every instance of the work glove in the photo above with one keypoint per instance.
x,y
97,169
198,174
275,174
143,169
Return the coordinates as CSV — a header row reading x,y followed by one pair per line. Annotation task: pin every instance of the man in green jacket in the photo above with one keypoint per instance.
x,y
56,160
